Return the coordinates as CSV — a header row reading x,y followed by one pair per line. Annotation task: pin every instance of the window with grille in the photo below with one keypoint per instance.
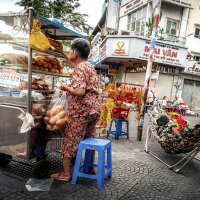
x,y
172,26
136,21
197,33
188,82
196,58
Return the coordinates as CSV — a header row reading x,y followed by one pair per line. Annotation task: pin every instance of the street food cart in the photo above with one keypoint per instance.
x,y
27,82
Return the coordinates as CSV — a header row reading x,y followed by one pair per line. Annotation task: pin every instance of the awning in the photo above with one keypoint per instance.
x,y
57,30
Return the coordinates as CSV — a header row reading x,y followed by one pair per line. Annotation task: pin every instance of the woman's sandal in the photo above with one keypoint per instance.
x,y
92,171
59,176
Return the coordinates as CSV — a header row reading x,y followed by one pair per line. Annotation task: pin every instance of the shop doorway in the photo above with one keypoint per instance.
x,y
191,93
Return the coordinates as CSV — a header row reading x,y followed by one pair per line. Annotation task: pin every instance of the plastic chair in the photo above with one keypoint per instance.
x,y
104,169
118,131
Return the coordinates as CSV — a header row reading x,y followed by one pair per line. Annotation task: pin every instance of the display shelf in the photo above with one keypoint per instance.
x,y
20,68
24,47
50,74
11,66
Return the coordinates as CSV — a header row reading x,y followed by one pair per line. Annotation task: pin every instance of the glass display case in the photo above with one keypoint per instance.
x,y
27,82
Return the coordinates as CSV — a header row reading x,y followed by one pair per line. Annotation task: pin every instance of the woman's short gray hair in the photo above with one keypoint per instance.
x,y
82,47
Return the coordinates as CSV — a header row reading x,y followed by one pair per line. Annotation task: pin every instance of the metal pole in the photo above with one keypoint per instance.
x,y
157,6
30,62
28,136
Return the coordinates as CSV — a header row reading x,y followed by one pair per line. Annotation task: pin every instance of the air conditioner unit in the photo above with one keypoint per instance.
x,y
124,32
173,31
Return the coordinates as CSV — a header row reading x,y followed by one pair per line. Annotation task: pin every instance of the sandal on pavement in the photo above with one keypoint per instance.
x,y
92,171
61,177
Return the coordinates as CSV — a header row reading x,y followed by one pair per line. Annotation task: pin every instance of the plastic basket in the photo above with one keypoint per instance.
x,y
120,113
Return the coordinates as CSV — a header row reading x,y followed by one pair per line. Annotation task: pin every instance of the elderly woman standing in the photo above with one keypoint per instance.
x,y
83,104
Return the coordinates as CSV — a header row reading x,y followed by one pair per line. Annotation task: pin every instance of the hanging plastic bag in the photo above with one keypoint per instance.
x,y
28,122
38,40
56,115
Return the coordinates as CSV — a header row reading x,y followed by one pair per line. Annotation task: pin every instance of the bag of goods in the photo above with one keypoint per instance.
x,y
182,125
56,115
38,112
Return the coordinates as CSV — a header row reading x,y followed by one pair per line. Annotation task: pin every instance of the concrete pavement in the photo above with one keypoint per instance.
x,y
136,175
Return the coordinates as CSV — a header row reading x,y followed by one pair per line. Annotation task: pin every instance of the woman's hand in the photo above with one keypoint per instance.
x,y
60,50
63,88
74,91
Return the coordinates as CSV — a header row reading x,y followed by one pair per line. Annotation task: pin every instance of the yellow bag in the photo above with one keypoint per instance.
x,y
38,40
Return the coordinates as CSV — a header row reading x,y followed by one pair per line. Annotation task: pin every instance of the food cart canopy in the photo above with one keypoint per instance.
x,y
57,30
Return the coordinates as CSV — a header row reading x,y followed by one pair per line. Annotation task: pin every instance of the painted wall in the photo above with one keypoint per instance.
x,y
164,86
170,11
136,78
123,21
193,43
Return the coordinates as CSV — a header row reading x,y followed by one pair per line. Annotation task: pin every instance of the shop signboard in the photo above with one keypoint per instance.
x,y
9,80
163,53
102,52
193,67
113,71
131,6
121,47
94,54
129,47
184,3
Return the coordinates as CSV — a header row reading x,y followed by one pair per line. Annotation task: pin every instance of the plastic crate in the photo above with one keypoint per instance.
x,y
120,113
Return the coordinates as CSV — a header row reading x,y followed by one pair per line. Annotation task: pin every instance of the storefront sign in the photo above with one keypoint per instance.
x,y
121,47
164,69
94,54
193,67
181,2
134,47
9,80
102,52
113,71
133,5
163,53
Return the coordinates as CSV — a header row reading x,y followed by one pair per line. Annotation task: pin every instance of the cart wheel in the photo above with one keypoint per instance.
x,y
42,169
5,159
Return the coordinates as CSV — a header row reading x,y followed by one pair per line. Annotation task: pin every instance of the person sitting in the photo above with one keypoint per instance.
x,y
164,102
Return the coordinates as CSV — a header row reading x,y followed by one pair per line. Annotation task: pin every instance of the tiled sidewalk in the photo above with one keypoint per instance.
x,y
136,175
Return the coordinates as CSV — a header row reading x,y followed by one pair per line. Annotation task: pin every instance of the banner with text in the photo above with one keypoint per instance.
x,y
9,80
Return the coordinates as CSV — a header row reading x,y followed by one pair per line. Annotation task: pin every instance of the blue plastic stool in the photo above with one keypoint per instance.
x,y
104,169
119,132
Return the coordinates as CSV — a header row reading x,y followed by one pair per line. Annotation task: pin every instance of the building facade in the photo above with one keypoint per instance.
x,y
126,39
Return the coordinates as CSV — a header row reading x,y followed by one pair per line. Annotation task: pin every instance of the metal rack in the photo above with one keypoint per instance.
x,y
12,143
